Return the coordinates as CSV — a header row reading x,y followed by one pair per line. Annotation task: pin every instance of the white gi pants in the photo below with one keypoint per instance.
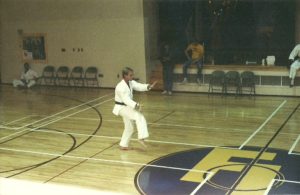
x,y
293,70
130,116
17,83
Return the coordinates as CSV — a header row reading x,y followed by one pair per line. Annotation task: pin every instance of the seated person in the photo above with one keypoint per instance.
x,y
294,57
28,77
196,57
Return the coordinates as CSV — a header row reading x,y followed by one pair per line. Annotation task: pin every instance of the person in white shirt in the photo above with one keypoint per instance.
x,y
129,110
28,77
294,57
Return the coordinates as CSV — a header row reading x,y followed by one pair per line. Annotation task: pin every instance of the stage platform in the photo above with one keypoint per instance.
x,y
270,80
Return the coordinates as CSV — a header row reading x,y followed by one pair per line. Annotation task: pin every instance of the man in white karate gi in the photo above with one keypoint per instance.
x,y
295,58
129,110
28,77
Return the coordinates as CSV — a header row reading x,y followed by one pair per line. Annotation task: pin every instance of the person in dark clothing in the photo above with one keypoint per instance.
x,y
167,61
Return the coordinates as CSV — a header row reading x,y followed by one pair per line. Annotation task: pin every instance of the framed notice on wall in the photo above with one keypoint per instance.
x,y
34,47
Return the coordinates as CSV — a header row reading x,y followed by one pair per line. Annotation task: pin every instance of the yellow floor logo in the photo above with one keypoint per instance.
x,y
222,171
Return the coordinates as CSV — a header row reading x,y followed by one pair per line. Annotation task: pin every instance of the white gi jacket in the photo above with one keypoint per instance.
x,y
295,52
29,75
123,94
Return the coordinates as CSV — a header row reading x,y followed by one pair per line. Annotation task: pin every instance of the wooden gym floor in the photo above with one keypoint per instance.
x,y
55,140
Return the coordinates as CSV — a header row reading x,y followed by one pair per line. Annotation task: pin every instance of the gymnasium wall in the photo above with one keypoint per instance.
x,y
0,53
151,29
110,33
297,25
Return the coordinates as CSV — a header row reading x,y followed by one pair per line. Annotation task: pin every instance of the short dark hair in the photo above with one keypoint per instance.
x,y
26,65
126,70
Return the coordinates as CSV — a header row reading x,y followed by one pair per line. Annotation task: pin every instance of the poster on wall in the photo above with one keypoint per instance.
x,y
34,48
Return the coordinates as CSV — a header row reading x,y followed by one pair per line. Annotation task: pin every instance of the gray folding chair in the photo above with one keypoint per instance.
x,y
248,82
232,82
91,77
62,76
76,76
48,75
217,82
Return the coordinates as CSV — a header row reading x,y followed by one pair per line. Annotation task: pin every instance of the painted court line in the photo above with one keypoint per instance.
x,y
210,174
156,124
153,124
14,121
174,125
102,160
10,186
7,127
273,181
17,120
294,145
67,116
20,127
25,126
295,153
118,138
65,110
187,144
55,120
262,125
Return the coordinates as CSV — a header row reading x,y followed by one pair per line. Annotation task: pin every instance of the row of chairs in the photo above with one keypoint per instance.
x,y
65,76
232,81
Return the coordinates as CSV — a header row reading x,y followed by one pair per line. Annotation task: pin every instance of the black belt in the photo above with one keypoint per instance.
x,y
120,103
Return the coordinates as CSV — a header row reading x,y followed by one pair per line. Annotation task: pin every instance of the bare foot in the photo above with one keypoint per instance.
x,y
125,148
